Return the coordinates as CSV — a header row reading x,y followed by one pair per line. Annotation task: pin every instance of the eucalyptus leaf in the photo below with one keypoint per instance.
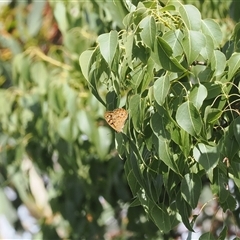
x,y
191,17
189,118
108,43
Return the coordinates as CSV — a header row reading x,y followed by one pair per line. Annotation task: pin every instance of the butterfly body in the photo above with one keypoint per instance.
x,y
116,118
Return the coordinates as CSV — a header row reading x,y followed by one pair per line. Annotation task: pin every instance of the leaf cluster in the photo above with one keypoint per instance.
x,y
55,157
179,82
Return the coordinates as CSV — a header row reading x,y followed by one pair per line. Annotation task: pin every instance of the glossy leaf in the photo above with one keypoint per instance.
x,y
191,17
177,74
161,87
135,106
84,61
207,156
161,217
207,50
108,43
233,64
128,41
165,57
162,141
193,43
212,115
191,187
184,210
174,39
189,118
198,95
218,62
148,33
211,28
133,183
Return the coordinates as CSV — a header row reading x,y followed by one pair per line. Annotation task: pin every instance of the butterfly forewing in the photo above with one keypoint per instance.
x,y
116,118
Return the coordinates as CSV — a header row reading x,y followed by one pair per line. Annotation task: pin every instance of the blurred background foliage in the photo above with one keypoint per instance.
x,y
60,175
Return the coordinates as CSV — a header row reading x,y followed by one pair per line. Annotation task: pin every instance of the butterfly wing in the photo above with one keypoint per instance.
x,y
116,118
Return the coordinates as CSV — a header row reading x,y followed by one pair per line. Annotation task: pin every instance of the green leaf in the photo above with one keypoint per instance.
x,y
128,40
165,58
56,99
212,115
191,187
94,68
218,62
205,75
207,236
135,160
158,125
135,203
148,33
117,10
102,147
108,43
67,129
161,88
206,155
112,100
211,28
160,217
8,41
193,43
150,190
71,99
76,42
220,189
221,181
40,75
174,39
6,208
191,17
189,118
233,65
136,111
61,16
236,129
185,211
85,123
236,37
207,50
229,144
34,19
132,181
198,95
162,141
223,233
214,89
229,204
84,61
185,143
21,70
137,76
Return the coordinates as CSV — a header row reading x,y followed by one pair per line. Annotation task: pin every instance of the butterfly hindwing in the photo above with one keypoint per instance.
x,y
116,118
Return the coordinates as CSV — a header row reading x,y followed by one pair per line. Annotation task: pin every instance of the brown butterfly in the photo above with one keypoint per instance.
x,y
116,118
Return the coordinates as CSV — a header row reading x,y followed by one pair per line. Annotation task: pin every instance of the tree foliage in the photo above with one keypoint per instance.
x,y
175,71
180,83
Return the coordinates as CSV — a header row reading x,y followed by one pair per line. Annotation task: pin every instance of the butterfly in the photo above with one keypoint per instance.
x,y
116,118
